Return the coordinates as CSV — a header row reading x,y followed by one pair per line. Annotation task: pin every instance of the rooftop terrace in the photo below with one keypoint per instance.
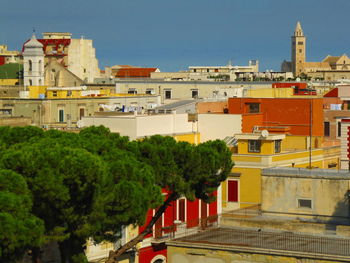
x,y
270,242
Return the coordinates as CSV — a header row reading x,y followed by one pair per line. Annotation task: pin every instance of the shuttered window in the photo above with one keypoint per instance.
x,y
232,191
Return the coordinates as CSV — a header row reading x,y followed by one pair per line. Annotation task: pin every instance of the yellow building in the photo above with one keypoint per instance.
x,y
262,150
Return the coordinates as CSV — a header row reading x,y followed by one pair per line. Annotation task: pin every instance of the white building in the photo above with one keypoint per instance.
x,y
33,63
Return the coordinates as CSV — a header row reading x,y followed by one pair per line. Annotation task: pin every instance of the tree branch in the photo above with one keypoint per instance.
x,y
114,255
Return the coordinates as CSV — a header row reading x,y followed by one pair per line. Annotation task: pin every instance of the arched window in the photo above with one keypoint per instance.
x,y
30,82
40,66
159,259
40,82
30,65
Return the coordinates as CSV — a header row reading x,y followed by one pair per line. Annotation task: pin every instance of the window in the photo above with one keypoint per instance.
x,y
300,50
167,94
69,93
30,82
254,146
149,91
339,129
182,207
278,146
54,93
304,203
40,66
5,111
326,128
61,115
195,93
300,43
132,91
253,107
232,191
30,65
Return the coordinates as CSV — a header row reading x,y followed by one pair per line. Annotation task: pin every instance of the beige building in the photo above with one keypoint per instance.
x,y
65,113
82,59
171,91
78,55
57,75
316,194
209,73
213,126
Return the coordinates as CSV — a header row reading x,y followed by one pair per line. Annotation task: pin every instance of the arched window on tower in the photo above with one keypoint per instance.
x,y
30,65
40,65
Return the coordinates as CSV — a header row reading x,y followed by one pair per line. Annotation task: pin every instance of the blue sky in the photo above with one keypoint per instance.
x,y
175,34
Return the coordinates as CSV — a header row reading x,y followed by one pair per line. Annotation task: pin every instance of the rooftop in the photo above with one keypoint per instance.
x,y
175,105
304,172
267,241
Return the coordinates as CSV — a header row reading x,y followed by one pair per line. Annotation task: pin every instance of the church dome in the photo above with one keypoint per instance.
x,y
33,48
33,42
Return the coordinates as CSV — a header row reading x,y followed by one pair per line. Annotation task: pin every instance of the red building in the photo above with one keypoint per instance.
x,y
133,72
284,115
180,218
55,48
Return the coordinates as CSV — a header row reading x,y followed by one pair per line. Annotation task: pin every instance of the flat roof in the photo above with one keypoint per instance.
x,y
267,241
176,104
304,172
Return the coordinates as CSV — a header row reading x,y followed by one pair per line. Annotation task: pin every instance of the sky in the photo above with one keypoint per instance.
x,y
175,34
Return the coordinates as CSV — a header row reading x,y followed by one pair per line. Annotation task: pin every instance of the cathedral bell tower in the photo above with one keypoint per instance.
x,y
298,50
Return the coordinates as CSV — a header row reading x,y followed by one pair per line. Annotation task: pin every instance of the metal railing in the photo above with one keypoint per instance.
x,y
186,228
273,240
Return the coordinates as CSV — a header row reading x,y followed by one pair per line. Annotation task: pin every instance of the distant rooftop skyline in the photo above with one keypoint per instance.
x,y
173,35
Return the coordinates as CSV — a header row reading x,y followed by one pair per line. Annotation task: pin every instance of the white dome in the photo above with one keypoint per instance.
x,y
33,42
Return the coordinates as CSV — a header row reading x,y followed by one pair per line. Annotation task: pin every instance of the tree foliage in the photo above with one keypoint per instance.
x,y
19,228
91,184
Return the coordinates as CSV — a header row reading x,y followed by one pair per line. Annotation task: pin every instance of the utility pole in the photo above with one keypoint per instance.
x,y
310,146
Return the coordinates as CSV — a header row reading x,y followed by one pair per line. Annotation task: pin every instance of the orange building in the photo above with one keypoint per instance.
x,y
280,115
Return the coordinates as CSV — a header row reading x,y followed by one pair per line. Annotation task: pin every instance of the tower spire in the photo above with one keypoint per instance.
x,y
298,30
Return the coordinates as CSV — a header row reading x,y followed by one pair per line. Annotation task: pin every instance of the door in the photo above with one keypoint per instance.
x,y
81,113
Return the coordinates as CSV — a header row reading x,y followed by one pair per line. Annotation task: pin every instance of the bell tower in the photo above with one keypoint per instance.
x,y
298,50
33,63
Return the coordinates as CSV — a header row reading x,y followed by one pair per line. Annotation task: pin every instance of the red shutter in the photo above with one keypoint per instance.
x,y
182,210
232,191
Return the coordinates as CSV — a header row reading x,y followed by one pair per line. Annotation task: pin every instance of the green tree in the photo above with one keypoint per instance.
x,y
19,229
84,185
183,169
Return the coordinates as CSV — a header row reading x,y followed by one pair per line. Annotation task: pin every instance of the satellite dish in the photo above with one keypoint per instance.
x,y
264,133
